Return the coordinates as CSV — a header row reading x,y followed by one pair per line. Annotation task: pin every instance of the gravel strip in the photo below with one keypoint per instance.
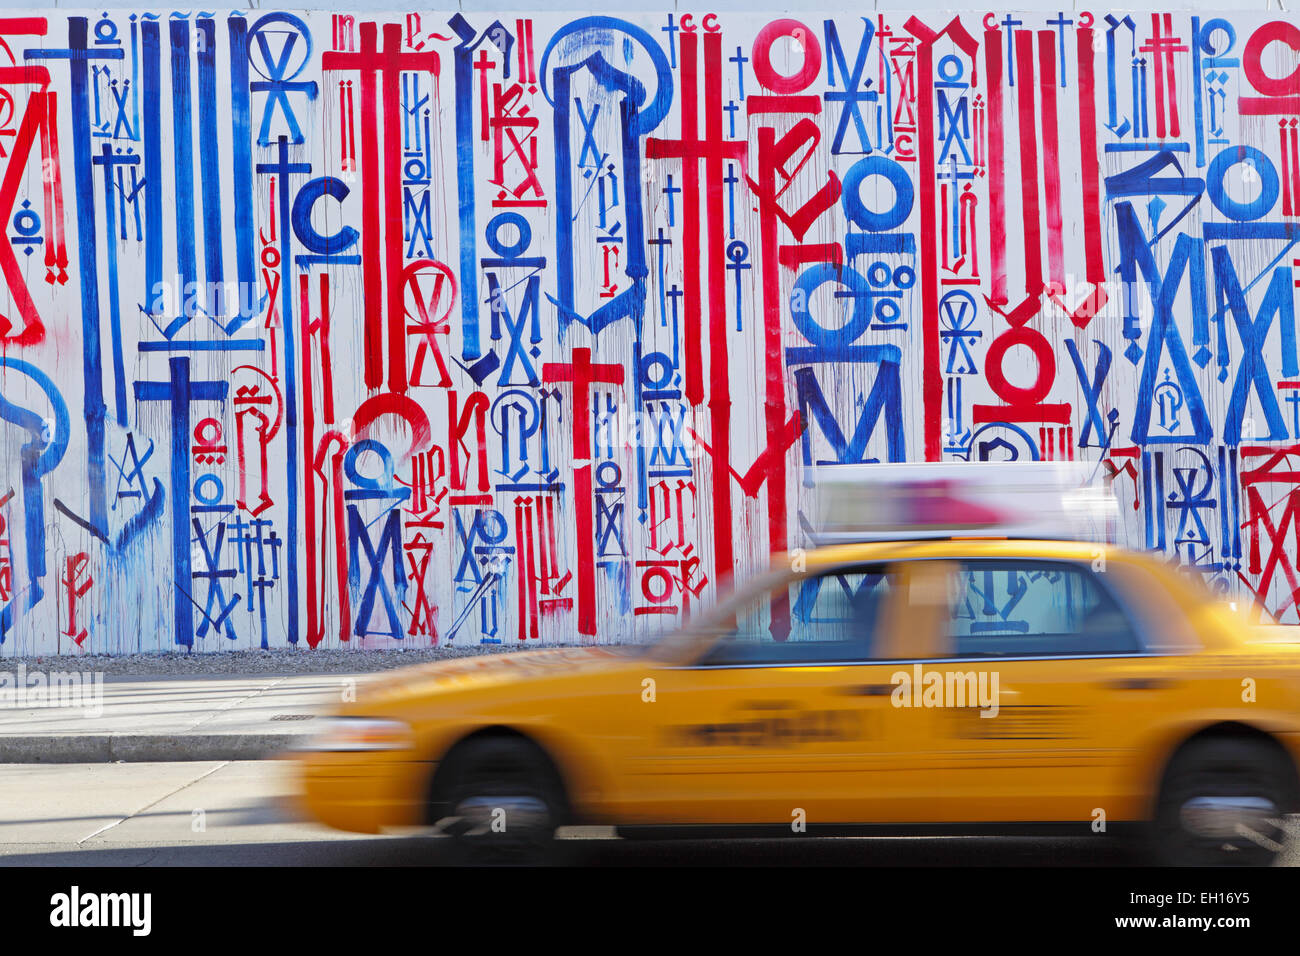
x,y
278,661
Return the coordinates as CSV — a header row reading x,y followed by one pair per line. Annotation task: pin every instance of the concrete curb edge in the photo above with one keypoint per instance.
x,y
139,748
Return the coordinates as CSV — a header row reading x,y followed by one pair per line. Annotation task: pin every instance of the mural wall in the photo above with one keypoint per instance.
x,y
353,330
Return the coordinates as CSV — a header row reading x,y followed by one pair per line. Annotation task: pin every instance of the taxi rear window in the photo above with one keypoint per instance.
x,y
1028,608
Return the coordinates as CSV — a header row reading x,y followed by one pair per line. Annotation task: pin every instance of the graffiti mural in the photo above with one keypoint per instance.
x,y
373,330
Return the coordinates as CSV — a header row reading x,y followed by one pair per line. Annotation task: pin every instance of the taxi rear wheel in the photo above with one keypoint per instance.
x,y
1223,803
499,800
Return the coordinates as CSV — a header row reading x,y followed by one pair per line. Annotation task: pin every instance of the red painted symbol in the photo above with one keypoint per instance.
x,y
74,589
206,450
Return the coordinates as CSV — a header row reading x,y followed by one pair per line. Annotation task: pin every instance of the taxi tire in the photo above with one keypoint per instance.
x,y
498,770
1215,766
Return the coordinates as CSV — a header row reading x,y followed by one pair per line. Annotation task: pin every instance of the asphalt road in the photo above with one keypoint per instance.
x,y
235,814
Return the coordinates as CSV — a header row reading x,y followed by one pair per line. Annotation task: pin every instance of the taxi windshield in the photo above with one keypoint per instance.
x,y
716,620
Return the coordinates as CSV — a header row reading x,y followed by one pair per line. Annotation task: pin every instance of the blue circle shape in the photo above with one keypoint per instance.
x,y
1268,183
813,279
856,209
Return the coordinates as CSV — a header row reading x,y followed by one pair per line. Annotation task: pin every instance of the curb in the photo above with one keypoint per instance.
x,y
138,748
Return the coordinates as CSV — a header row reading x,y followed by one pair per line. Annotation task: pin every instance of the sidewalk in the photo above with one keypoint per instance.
x,y
167,718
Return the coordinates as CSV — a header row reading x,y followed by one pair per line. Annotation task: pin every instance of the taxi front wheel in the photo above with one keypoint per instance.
x,y
499,801
1223,803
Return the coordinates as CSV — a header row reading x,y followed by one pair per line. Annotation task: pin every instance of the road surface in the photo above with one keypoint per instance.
x,y
236,814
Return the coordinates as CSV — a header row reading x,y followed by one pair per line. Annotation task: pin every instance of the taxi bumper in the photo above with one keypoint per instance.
x,y
363,792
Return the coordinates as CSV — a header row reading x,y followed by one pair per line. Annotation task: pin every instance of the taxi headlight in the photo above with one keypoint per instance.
x,y
359,734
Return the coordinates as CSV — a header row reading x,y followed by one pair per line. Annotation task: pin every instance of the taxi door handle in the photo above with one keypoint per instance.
x,y
868,690
1138,683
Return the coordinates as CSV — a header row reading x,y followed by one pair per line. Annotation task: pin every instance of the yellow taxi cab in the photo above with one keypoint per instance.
x,y
938,682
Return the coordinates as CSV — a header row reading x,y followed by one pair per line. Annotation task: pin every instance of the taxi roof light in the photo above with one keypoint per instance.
x,y
879,502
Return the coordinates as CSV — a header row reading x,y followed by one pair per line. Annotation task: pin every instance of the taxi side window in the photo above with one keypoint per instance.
x,y
1025,608
832,617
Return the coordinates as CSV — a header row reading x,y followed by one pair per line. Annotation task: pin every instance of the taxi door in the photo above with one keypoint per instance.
x,y
1065,664
758,731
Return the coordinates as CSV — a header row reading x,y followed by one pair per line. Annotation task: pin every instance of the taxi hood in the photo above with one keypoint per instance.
x,y
493,668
